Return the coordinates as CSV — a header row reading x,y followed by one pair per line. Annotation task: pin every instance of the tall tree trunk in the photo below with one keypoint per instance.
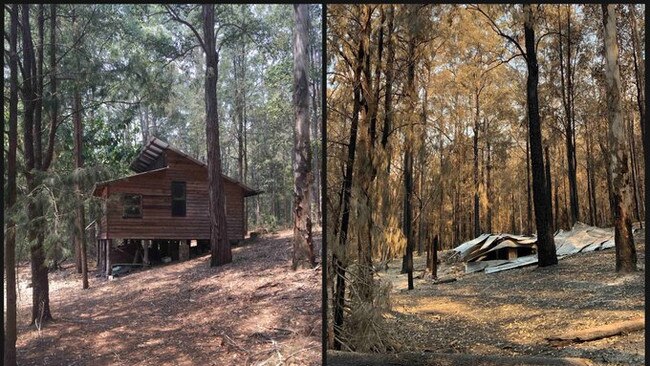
x,y
639,74
220,246
488,178
407,225
390,60
303,247
477,214
548,180
339,252
315,133
366,169
543,214
10,238
591,187
79,237
567,100
529,209
76,119
40,286
408,167
633,169
625,251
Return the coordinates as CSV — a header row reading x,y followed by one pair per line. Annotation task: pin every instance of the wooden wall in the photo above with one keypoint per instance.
x,y
157,221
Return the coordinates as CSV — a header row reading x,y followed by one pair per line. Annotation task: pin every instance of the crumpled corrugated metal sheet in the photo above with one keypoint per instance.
x,y
581,238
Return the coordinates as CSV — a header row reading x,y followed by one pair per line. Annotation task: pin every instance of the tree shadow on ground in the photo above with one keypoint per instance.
x,y
188,313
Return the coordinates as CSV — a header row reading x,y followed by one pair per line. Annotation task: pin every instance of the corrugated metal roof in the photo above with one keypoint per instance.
x,y
152,151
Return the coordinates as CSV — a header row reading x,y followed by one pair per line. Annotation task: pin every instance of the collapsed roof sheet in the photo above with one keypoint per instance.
x,y
581,238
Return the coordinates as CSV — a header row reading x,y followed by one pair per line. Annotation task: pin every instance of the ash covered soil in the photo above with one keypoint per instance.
x,y
511,312
253,311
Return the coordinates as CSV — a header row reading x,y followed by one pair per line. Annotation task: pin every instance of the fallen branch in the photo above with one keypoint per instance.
x,y
602,331
445,280
337,358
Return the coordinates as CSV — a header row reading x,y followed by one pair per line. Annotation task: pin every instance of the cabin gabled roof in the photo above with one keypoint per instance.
x,y
152,151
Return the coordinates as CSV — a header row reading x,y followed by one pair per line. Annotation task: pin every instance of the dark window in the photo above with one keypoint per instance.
x,y
132,205
178,198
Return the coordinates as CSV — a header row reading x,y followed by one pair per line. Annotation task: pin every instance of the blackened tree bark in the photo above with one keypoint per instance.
x,y
529,210
219,244
569,123
303,247
10,238
477,212
541,199
548,177
408,214
339,252
625,251
388,100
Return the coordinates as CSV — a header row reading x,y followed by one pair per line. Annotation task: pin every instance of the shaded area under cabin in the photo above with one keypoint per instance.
x,y
161,213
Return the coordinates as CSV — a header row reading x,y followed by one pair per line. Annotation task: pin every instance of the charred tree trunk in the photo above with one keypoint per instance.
x,y
407,225
220,246
339,253
303,247
639,74
10,238
477,214
633,170
390,60
548,179
567,100
488,179
529,210
434,258
625,251
591,186
543,214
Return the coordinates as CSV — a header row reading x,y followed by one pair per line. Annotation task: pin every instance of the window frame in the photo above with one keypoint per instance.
x,y
126,215
182,199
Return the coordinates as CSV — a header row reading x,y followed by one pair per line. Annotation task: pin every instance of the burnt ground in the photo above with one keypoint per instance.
x,y
254,311
511,312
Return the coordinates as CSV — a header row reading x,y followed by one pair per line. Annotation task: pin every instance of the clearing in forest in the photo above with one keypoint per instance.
x,y
511,312
253,311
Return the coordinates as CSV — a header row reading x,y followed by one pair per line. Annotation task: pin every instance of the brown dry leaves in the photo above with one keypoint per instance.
x,y
510,312
254,311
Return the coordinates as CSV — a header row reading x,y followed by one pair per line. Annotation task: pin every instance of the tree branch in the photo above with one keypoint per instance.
x,y
175,17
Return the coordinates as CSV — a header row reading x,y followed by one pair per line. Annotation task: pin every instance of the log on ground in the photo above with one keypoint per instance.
x,y
603,331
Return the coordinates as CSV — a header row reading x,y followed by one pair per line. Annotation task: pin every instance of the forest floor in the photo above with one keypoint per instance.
x,y
511,312
254,311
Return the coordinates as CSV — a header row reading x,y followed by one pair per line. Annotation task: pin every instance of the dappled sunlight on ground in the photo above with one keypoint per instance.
x,y
255,310
510,312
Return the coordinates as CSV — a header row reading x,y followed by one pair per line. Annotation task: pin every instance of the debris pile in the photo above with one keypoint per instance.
x,y
499,252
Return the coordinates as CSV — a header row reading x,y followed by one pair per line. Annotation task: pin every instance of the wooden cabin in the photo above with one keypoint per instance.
x,y
160,213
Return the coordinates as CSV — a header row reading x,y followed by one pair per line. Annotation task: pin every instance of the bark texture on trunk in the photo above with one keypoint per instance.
x,y
10,234
303,247
541,199
219,244
619,169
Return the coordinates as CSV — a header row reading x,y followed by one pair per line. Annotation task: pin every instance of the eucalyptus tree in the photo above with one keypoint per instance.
x,y
625,250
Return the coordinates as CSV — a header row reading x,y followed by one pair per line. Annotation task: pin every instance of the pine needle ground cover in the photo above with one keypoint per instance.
x,y
253,311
